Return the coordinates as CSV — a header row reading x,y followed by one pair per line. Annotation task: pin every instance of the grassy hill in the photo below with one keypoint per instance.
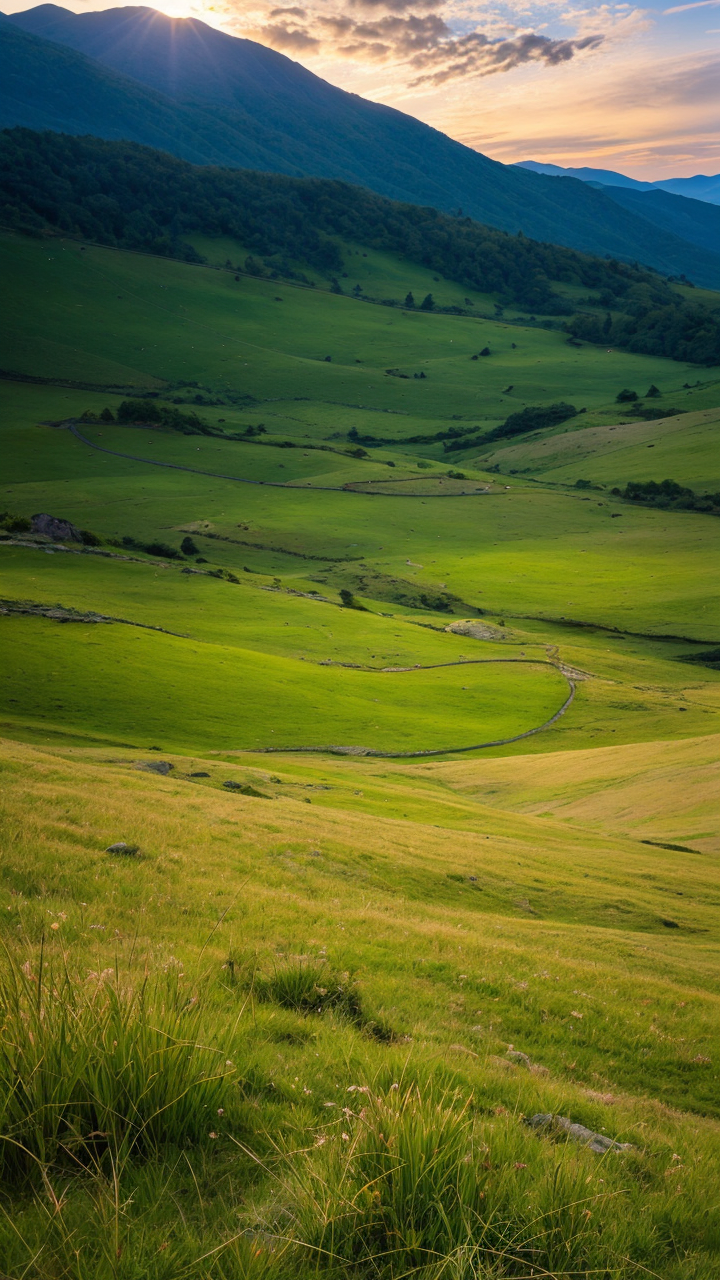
x,y
296,1028
211,98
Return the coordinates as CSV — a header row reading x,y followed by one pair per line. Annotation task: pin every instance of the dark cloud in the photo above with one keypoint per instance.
x,y
395,6
476,54
424,42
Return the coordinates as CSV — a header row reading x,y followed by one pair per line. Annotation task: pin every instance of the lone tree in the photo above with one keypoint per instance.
x,y
626,396
427,303
348,601
653,392
188,548
409,301
485,351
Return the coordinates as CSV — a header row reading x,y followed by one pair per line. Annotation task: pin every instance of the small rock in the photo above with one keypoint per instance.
x,y
199,775
155,766
522,1059
121,847
558,1125
55,528
502,1063
244,788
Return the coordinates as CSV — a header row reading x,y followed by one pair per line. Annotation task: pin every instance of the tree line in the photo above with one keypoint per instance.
x,y
131,196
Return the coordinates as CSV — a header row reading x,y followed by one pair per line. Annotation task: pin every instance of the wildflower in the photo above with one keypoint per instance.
x,y
345,1137
212,1135
54,925
221,1111
519,1165
574,1014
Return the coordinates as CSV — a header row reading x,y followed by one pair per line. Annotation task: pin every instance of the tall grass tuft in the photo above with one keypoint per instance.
x,y
311,986
408,1186
314,986
90,1069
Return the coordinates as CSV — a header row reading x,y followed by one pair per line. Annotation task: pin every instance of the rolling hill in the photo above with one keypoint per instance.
x,y
212,98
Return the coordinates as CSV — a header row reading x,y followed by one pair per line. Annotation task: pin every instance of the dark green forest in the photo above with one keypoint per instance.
x,y
133,197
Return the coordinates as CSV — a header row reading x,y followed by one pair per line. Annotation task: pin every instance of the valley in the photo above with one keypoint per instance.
x,y
360,791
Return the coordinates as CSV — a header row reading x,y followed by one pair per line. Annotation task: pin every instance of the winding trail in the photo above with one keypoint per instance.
x,y
435,751
274,484
438,750
58,613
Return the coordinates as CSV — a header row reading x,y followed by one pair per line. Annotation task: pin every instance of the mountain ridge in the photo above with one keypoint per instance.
x,y
293,123
701,186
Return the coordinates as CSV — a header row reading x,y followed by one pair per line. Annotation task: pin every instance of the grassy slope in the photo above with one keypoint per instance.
x,y
528,911
685,446
556,947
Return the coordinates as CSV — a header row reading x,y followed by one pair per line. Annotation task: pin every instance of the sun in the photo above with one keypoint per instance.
x,y
211,14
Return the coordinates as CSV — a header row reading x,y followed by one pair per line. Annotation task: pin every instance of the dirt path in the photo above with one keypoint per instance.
x,y
58,613
272,484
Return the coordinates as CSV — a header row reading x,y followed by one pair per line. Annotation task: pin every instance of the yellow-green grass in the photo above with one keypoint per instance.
x,y
684,448
124,683
254,635
469,930
667,791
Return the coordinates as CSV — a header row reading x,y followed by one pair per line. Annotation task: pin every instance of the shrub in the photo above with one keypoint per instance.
x,y
161,549
626,396
89,538
14,524
349,602
188,547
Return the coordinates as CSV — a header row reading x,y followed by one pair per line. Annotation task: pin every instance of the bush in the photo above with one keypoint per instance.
x,y
161,549
349,602
626,396
188,547
89,538
14,524
532,418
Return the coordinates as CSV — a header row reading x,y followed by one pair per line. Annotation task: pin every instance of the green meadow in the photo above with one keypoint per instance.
x,y
296,1026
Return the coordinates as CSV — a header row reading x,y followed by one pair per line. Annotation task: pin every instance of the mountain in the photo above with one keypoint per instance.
x,y
694,220
212,98
701,187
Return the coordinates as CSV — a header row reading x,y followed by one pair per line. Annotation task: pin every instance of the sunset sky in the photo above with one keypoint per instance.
x,y
608,85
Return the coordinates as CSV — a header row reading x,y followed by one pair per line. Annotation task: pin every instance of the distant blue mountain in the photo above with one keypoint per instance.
x,y
211,98
701,187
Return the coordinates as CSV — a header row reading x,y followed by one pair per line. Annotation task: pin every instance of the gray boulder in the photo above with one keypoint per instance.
x,y
121,847
155,766
55,528
563,1125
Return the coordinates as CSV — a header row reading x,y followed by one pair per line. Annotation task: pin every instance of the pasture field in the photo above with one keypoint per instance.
x,y
296,1025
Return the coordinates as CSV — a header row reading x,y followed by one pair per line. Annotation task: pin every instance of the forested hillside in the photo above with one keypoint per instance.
x,y
210,98
133,197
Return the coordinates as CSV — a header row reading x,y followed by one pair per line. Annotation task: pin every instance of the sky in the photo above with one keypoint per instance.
x,y
613,86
